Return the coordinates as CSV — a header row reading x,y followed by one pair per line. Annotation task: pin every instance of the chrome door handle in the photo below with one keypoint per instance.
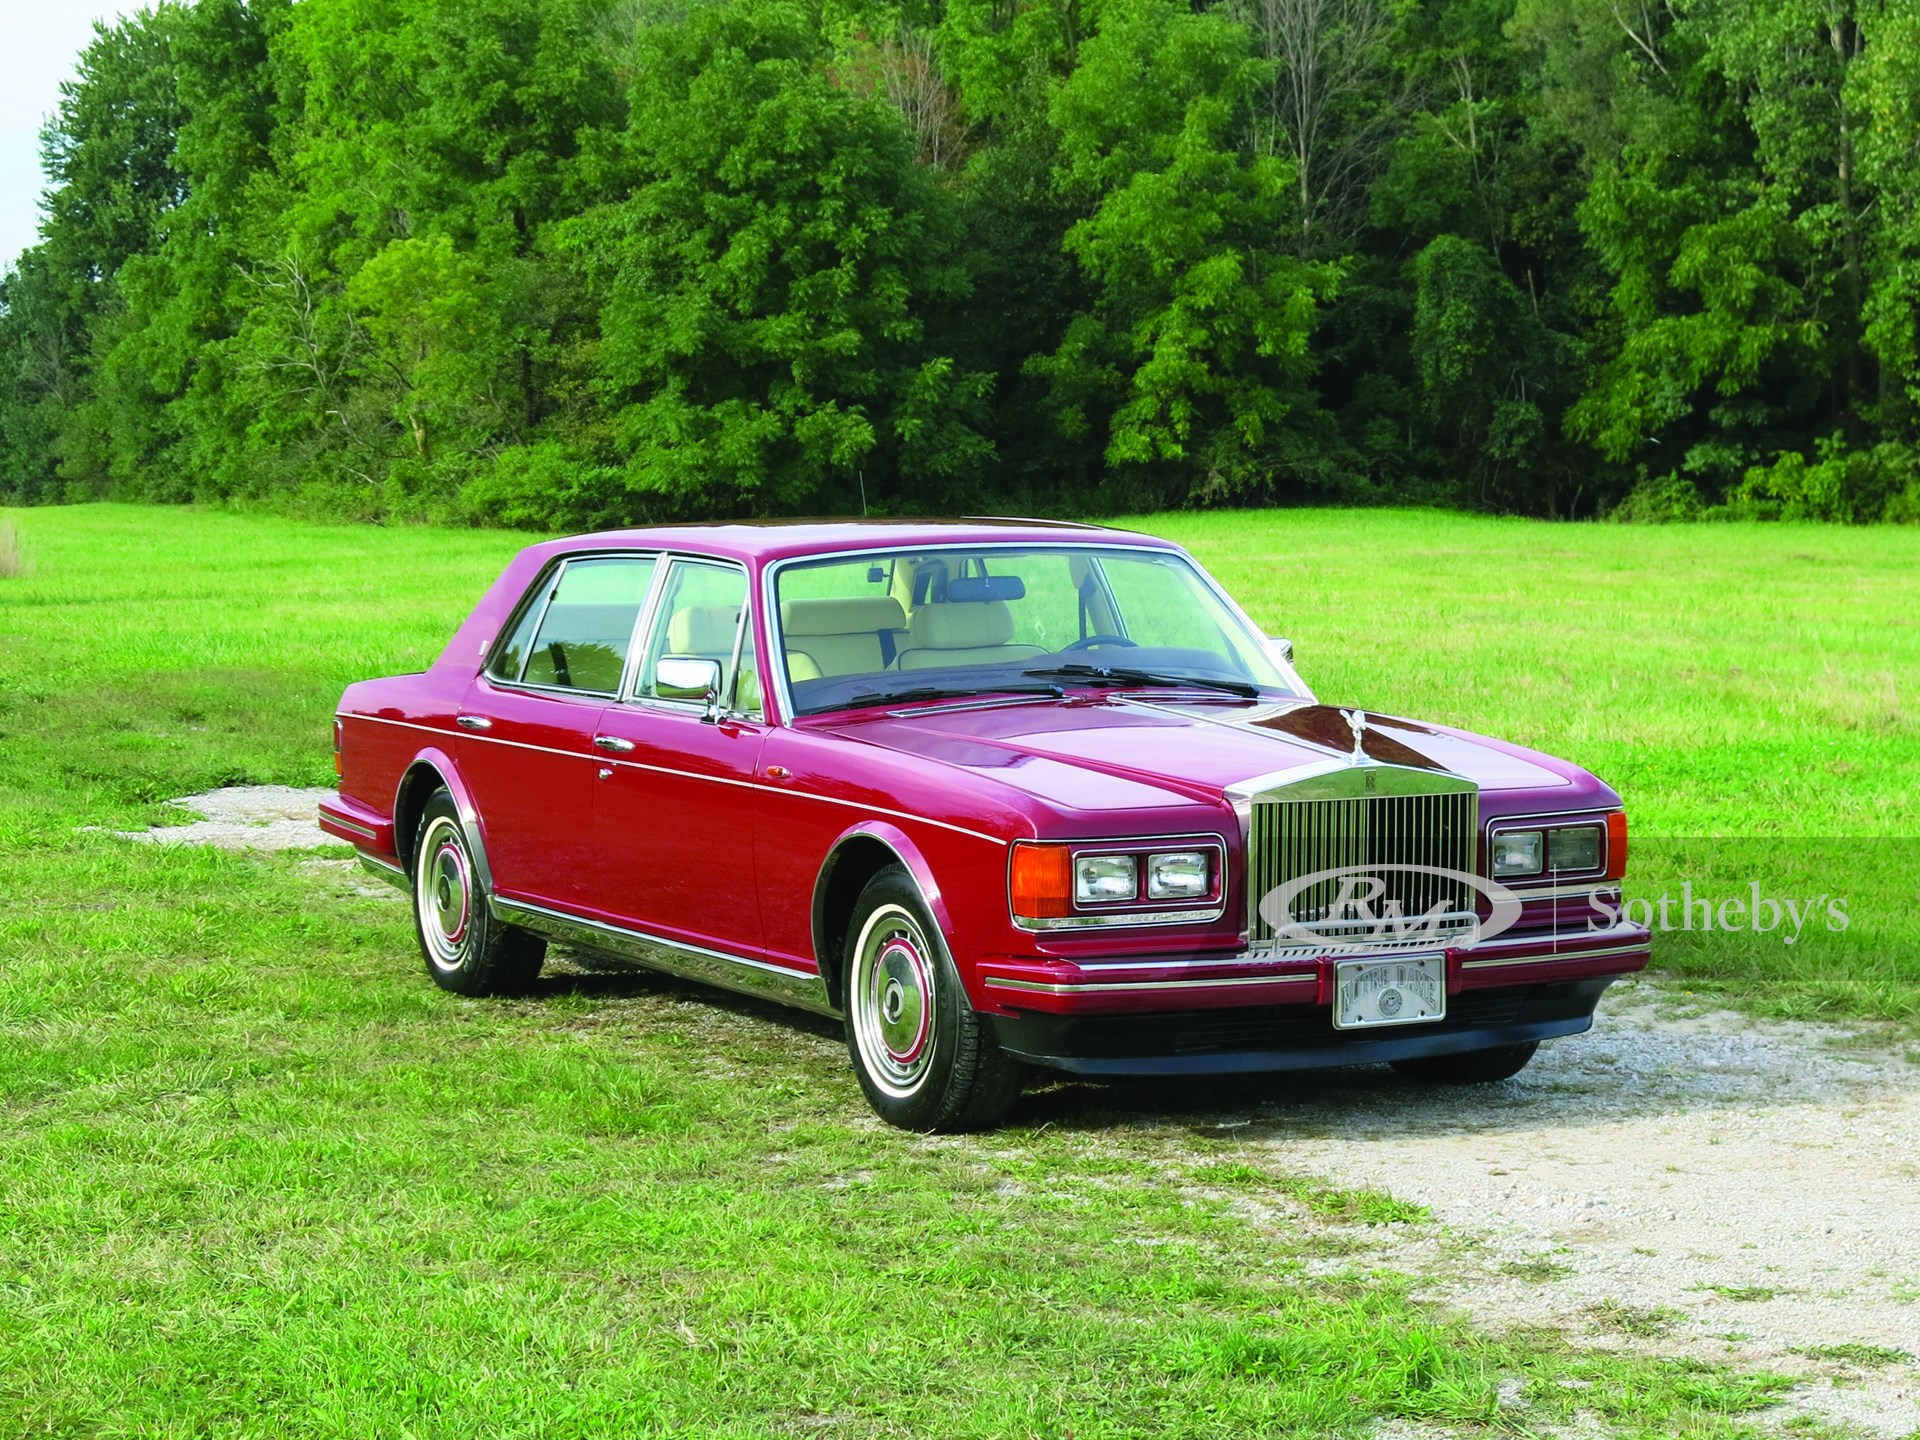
x,y
473,722
613,743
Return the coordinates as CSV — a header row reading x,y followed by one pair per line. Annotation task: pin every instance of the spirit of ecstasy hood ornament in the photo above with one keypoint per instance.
x,y
1357,722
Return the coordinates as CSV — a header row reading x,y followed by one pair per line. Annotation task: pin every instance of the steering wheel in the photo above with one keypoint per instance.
x,y
1087,642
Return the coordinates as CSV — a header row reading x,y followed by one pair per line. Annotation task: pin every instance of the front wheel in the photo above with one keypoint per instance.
x,y
1470,1067
467,951
924,1058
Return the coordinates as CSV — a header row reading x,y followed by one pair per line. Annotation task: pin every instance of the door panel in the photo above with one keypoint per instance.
x,y
674,804
675,817
527,724
531,775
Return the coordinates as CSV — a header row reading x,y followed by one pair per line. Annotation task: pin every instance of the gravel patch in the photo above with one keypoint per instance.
x,y
245,817
1701,1184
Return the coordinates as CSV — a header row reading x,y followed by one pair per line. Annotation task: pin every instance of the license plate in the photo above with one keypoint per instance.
x,y
1405,991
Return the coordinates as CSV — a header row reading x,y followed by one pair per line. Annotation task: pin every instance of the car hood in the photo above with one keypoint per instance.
x,y
1121,750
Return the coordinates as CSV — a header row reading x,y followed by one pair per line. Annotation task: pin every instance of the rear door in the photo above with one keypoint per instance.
x,y
528,722
675,806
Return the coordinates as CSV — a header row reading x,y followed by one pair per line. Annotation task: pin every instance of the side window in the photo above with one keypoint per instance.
x,y
575,634
510,660
698,619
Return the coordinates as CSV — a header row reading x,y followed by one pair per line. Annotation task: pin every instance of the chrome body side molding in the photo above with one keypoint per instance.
x,y
690,962
385,869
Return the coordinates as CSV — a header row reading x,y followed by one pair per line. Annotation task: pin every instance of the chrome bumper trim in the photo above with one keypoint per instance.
x,y
1112,920
1528,942
1041,987
1586,889
1558,957
365,832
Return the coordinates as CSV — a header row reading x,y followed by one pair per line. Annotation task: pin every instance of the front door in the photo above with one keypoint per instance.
x,y
674,804
528,721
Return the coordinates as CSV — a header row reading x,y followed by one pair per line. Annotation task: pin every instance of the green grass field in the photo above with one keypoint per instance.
x,y
258,1177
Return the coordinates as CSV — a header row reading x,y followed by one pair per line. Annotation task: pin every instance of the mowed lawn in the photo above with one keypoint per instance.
x,y
258,1177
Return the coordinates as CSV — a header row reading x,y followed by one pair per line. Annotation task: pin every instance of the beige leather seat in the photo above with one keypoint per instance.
x,y
855,636
705,632
968,632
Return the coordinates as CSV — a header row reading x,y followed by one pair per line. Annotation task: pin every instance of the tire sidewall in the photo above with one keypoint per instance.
x,y
926,1105
442,833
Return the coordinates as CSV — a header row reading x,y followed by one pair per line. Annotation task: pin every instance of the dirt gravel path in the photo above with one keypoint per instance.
x,y
1694,1183
245,817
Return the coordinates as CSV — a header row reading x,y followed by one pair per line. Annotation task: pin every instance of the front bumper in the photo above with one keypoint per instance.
x,y
1291,1037
1097,985
1230,1013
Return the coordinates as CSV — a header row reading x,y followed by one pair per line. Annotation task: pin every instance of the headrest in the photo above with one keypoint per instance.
x,y
862,615
702,630
967,626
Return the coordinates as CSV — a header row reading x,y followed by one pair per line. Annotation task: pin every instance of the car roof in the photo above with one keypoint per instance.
x,y
764,540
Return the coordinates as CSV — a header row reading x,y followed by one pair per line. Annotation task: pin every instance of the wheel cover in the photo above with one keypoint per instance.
x,y
892,1001
443,894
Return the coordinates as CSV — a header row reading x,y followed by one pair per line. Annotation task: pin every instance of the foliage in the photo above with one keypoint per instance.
x,y
527,260
1195,345
762,291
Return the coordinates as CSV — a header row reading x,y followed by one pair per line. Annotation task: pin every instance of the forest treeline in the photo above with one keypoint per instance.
x,y
565,262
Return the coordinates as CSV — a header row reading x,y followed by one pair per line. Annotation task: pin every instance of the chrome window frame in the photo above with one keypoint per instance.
x,y
776,641
643,628
549,579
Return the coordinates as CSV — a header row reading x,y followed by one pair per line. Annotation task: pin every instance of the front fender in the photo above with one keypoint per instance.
x,y
908,854
894,841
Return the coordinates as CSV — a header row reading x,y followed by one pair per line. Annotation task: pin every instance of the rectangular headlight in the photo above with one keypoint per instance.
x,y
1519,852
1575,848
1179,875
1104,879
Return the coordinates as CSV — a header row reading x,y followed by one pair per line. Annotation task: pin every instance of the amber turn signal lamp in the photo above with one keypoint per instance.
x,y
1042,881
1617,845
338,737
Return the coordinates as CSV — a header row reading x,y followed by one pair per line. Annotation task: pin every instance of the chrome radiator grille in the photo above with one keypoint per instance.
x,y
1290,839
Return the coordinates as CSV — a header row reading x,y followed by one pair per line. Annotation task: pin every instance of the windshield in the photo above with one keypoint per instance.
x,y
917,624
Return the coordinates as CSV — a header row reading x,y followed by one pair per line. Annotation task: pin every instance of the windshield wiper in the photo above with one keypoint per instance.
x,y
1127,675
949,692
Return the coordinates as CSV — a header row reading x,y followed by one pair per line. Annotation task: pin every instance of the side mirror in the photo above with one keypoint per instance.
x,y
1281,646
679,678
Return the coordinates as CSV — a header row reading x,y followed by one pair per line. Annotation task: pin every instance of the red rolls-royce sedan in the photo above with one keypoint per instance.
x,y
1002,794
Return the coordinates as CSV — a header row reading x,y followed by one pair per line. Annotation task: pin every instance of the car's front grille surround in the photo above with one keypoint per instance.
x,y
1290,838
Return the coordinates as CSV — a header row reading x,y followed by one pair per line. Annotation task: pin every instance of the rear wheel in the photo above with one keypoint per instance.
x,y
1470,1067
925,1059
467,951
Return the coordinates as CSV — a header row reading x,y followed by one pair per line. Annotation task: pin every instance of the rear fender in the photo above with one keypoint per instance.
x,y
434,768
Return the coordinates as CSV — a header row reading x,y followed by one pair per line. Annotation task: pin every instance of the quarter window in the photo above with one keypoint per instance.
x,y
576,631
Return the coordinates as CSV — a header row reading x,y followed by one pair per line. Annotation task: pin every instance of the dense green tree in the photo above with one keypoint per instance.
x,y
573,261
1194,350
762,291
